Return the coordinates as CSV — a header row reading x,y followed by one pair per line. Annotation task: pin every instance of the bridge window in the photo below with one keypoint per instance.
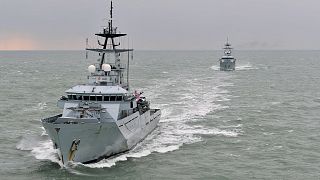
x,y
92,98
78,97
86,98
112,98
119,98
95,98
74,97
99,98
106,98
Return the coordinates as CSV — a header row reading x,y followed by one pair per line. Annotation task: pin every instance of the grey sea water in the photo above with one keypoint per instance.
x,y
258,122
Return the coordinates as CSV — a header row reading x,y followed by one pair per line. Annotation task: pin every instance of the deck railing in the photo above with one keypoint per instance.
x,y
51,119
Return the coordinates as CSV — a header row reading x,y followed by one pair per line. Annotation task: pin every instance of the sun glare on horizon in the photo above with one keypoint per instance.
x,y
18,43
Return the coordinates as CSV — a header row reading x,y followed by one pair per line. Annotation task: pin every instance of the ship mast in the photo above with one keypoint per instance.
x,y
227,48
110,34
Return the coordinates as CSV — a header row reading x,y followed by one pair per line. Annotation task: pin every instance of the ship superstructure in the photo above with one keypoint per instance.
x,y
102,117
227,62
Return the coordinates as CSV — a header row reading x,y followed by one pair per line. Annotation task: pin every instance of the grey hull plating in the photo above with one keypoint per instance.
x,y
227,64
99,140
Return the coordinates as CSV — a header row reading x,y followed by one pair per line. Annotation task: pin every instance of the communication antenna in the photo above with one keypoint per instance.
x,y
128,64
87,46
132,51
111,11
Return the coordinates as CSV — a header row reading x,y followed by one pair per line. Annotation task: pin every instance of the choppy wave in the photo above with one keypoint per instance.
x,y
246,67
36,107
215,67
240,67
40,147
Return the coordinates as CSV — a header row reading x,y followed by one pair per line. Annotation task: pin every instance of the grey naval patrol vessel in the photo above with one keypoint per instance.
x,y
227,62
101,118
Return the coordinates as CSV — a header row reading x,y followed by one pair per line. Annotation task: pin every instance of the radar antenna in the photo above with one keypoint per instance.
x,y
87,46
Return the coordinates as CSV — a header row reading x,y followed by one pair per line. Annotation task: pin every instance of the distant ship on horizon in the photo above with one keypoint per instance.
x,y
227,62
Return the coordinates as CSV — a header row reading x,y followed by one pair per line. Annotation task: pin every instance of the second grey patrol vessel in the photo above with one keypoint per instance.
x,y
227,62
101,118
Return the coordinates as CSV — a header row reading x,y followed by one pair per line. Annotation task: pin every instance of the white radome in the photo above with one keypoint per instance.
x,y
92,69
106,67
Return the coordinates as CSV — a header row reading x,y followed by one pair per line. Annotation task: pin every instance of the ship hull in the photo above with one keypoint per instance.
x,y
227,64
90,142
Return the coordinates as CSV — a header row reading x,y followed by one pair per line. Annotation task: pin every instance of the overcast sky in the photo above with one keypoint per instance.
x,y
162,24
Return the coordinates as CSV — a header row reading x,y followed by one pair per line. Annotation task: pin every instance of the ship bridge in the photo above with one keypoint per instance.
x,y
90,89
